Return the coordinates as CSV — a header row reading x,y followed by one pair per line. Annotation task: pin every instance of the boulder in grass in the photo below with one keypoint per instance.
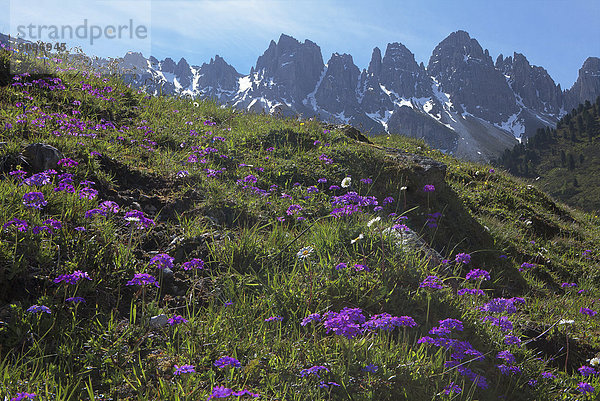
x,y
41,156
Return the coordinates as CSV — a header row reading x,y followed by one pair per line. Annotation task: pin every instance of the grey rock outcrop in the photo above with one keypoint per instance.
x,y
41,156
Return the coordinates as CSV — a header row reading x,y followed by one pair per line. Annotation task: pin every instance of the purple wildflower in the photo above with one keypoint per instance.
x,y
143,279
432,282
547,375
587,311
512,340
587,371
176,319
470,291
584,388
22,396
161,261
478,274
341,266
184,369
20,225
348,322
75,300
195,263
313,317
387,322
328,384
359,268
72,278
370,368
66,162
34,200
452,388
463,258
38,309
139,219
314,370
293,209
525,266
87,193
507,356
428,188
227,361
274,319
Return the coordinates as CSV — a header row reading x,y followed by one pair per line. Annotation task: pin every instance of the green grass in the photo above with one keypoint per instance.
x,y
106,349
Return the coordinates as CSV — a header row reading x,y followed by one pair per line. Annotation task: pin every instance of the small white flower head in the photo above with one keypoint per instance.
x,y
132,219
305,252
196,104
361,236
595,361
403,188
566,321
346,182
373,221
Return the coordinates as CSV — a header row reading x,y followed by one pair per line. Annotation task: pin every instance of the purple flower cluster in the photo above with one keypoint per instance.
x,y
314,370
470,291
195,263
143,279
464,258
22,396
459,350
502,322
224,392
432,282
176,319
526,266
137,217
184,369
20,225
584,388
587,371
350,322
313,317
587,311
293,209
34,200
325,159
478,274
38,309
370,368
162,261
72,278
38,180
387,322
500,305
428,188
225,361
452,388
274,319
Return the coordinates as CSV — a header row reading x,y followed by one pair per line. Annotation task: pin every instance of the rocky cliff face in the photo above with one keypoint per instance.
x,y
466,72
587,86
462,102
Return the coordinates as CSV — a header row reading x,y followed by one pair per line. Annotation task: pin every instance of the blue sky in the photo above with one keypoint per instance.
x,y
556,34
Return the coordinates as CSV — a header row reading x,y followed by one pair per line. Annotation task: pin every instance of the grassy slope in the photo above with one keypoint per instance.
x,y
104,347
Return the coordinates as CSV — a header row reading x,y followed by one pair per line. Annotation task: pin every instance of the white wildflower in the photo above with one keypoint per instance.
x,y
305,252
361,236
373,221
595,361
346,182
